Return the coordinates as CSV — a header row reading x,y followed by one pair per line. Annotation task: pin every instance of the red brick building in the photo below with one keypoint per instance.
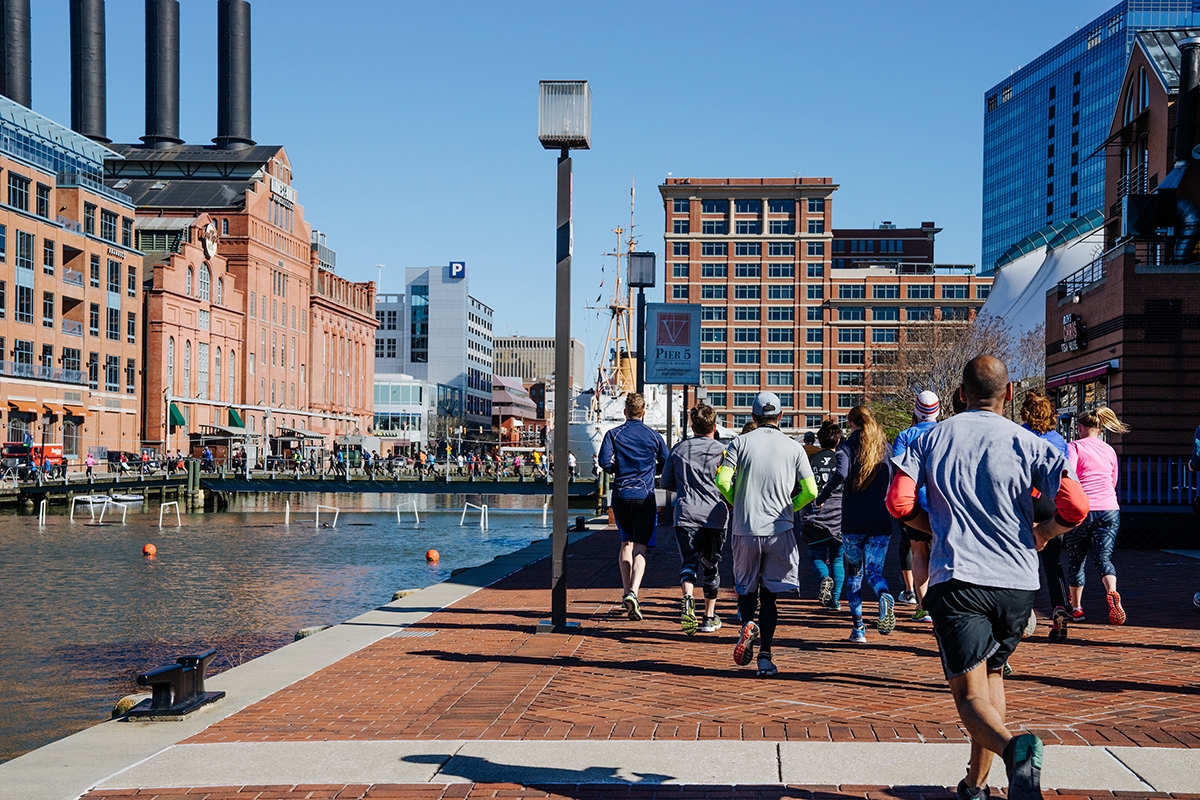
x,y
1125,330
886,244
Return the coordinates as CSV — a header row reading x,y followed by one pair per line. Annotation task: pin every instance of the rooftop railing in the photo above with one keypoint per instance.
x,y
40,372
80,180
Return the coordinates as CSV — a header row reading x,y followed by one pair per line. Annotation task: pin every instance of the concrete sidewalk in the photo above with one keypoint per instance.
x,y
448,693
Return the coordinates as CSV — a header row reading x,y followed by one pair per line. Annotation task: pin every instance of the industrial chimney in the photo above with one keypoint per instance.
x,y
233,75
88,81
1185,105
16,58
162,74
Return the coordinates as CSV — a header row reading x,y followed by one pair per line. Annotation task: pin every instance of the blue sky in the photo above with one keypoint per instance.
x,y
412,126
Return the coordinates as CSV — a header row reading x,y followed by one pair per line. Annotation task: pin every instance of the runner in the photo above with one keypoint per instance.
x,y
1095,462
633,453
1038,416
980,470
864,471
773,481
822,528
700,516
914,544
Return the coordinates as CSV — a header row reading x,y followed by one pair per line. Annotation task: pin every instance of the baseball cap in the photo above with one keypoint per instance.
x,y
927,406
766,404
810,438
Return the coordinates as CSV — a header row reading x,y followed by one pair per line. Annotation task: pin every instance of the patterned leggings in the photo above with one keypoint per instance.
x,y
861,552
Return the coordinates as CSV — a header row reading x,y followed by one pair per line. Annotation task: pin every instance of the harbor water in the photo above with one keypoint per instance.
x,y
83,611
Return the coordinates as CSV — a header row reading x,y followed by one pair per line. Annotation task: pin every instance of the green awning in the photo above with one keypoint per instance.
x,y
177,417
235,419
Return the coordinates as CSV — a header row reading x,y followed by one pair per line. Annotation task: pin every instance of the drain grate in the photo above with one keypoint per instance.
x,y
409,633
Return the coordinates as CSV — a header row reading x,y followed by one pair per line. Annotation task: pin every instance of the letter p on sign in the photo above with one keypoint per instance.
x,y
458,270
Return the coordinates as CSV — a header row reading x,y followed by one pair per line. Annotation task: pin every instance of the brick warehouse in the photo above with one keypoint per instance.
x,y
755,253
1123,331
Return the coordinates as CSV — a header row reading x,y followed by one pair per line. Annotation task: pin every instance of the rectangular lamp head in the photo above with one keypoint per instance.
x,y
565,115
642,270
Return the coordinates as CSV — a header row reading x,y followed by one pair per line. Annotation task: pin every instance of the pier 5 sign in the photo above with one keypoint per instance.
x,y
673,343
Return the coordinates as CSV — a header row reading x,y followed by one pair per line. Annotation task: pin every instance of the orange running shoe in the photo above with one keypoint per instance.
x,y
1116,614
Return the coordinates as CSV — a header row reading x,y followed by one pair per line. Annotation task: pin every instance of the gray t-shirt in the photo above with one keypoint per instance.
x,y
979,470
692,472
768,467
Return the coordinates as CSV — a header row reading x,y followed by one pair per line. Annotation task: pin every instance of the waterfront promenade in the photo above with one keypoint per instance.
x,y
449,693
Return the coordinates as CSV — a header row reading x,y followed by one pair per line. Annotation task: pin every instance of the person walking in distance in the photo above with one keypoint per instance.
x,y
864,471
1095,462
700,517
766,477
634,453
90,461
822,528
1038,417
979,471
914,544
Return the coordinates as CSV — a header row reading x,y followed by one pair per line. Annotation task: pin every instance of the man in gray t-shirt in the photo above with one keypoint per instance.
x,y
766,477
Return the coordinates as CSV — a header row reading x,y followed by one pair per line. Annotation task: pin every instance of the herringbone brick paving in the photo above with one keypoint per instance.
x,y
485,675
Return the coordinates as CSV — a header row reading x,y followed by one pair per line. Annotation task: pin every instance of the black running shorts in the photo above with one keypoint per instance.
x,y
976,624
915,535
636,519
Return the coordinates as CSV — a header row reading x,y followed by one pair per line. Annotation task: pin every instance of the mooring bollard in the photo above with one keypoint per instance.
x,y
177,689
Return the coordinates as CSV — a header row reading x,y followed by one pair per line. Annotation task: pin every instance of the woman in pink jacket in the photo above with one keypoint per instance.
x,y
1095,463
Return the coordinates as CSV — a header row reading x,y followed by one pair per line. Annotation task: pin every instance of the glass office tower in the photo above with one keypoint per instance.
x,y
1044,126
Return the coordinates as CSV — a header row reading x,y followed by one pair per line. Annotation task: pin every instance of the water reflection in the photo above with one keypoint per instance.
x,y
84,611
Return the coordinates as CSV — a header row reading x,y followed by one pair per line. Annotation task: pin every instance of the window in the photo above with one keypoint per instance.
x,y
3,243
112,374
681,205
679,270
203,320
712,378
108,225
3,308
781,335
816,292
848,400
781,206
885,314
781,313
781,227
745,378
202,370
24,303
812,357
205,282
816,205
113,328
982,291
130,376
816,270
955,291
681,248
126,232
851,335
852,292
781,292
714,206
745,334
782,248
48,256
745,356
743,399
743,292
816,226
89,219
713,226
812,399
780,357
95,271
714,249
714,271
114,276
43,200
712,356
891,292
816,248
679,291
217,373
850,379
188,283
233,372
18,191
782,270
221,297
716,399
47,309
747,270
813,335
713,293
883,357
883,335
851,356
713,313
748,227
851,314
920,291
679,226
712,334
812,379
94,320
72,358
170,365
812,314
958,313
131,272
747,313
748,206
775,378
131,328
747,249
920,313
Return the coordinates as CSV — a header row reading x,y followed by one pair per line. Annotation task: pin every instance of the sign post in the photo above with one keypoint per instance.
x,y
673,346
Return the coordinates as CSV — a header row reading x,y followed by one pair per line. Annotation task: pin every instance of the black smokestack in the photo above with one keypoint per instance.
x,y
1185,106
16,60
233,75
162,74
89,102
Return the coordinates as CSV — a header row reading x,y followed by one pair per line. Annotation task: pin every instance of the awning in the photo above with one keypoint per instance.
x,y
235,418
177,417
297,433
54,408
1085,374
75,411
231,431
27,406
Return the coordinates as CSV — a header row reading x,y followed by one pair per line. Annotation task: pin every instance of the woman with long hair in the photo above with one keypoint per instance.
x,y
1095,463
1038,416
864,472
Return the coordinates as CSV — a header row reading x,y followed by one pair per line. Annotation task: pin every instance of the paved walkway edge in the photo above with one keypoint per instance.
x,y
69,767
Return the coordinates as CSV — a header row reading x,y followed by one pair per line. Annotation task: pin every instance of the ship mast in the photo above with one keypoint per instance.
x,y
617,376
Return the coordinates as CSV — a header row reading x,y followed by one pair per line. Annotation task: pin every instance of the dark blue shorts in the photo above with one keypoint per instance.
x,y
637,519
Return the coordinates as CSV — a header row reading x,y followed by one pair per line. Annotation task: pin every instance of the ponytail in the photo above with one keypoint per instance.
x,y
872,442
1103,417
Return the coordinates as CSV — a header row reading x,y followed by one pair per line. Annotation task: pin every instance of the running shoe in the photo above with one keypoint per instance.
x,y
687,616
979,793
1196,599
766,667
1030,625
920,615
1116,614
858,634
710,624
887,614
1077,614
835,605
743,651
825,596
1006,671
632,608
1023,763
1058,628
907,598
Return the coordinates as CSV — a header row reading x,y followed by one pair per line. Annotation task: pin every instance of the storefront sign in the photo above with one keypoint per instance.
x,y
673,343
1074,333
283,190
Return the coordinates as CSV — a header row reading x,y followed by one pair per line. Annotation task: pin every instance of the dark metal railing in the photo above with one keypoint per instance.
x,y
1156,481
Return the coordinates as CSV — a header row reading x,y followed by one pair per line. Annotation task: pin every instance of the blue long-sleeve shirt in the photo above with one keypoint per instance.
x,y
904,440
634,454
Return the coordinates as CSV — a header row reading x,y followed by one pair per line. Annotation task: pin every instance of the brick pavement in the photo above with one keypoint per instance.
x,y
480,673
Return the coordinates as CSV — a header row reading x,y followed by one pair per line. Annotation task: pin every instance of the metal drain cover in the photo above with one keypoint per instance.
x,y
410,633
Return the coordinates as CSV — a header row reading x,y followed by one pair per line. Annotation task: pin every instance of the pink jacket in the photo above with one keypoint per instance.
x,y
1095,463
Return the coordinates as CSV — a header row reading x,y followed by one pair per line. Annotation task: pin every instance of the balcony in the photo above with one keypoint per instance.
x,y
70,224
1135,181
1080,281
38,372
72,277
80,180
72,328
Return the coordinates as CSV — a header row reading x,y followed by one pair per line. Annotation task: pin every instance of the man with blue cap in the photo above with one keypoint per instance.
x,y
767,478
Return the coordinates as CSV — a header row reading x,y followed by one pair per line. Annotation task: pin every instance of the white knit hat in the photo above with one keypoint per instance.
x,y
927,406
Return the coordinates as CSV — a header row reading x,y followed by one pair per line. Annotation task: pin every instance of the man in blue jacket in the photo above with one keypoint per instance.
x,y
633,454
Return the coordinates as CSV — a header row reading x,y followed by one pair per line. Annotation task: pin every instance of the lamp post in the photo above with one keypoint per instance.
x,y
641,276
564,124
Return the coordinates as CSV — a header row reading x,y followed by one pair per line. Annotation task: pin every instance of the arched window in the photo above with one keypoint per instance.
x,y
224,227
205,278
171,365
70,438
1143,89
232,374
1127,116
217,375
187,367
220,291
190,277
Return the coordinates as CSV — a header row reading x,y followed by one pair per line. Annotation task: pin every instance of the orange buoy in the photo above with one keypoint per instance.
x,y
432,556
149,550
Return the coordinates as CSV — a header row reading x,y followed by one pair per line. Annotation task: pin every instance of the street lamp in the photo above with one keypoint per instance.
x,y
564,124
641,276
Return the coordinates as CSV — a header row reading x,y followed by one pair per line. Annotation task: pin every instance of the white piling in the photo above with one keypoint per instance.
x,y
287,513
124,510
545,512
336,511
178,519
483,515
91,507
413,503
42,513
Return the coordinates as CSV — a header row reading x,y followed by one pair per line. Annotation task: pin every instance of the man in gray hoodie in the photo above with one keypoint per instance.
x,y
700,516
